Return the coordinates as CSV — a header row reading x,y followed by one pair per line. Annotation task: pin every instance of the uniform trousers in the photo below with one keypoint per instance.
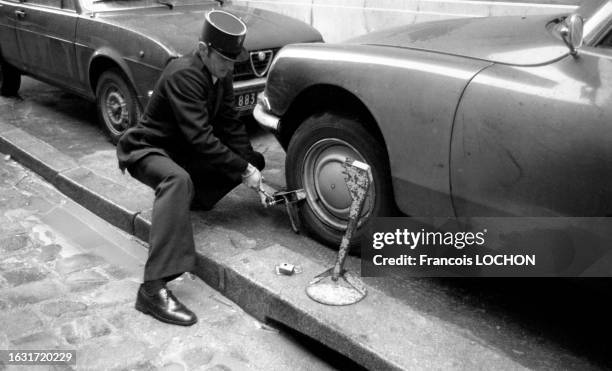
x,y
171,243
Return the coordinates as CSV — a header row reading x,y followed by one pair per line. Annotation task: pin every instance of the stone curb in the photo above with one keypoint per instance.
x,y
263,304
84,187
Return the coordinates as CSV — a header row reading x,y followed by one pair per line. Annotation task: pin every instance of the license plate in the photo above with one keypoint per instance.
x,y
245,100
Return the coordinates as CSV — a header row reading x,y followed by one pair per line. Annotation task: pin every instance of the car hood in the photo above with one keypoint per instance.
x,y
179,28
510,40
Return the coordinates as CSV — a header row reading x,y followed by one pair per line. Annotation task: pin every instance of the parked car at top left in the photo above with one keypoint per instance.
x,y
113,51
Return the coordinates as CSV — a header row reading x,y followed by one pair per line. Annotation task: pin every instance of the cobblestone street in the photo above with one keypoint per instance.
x,y
68,281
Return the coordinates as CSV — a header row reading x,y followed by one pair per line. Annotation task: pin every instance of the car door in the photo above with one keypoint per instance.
x,y
45,32
536,141
8,39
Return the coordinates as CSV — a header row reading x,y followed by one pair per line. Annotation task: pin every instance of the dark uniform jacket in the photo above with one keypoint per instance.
x,y
189,118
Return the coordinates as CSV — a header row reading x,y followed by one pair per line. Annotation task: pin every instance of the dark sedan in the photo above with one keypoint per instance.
x,y
112,51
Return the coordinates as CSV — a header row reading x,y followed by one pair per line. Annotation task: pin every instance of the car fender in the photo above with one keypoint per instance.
x,y
535,141
140,57
115,57
411,95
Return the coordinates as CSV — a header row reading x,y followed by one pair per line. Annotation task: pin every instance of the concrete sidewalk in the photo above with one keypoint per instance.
x,y
380,332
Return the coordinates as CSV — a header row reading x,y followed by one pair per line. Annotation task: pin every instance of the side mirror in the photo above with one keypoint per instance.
x,y
571,32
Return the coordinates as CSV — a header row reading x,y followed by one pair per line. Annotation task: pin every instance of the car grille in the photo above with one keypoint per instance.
x,y
256,66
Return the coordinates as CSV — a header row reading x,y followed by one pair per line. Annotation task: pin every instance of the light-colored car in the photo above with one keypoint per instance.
x,y
113,51
500,116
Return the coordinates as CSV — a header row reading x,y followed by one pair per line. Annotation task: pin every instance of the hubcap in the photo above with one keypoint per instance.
x,y
116,113
324,182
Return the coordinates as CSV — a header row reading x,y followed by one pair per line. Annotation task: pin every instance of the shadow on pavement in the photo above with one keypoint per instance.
x,y
571,312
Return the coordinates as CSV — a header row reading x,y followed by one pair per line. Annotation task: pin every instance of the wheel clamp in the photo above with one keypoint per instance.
x,y
290,199
337,286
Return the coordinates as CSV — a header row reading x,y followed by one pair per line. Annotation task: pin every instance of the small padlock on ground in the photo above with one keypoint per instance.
x,y
285,268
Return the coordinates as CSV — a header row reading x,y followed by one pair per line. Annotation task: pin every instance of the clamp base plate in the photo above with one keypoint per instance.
x,y
348,289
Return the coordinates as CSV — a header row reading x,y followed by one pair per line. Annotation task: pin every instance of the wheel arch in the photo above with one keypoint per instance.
x,y
327,98
103,60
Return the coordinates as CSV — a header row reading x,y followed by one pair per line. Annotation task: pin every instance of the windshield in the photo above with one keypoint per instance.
x,y
107,5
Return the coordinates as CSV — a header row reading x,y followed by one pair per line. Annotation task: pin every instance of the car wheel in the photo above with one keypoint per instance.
x,y
10,80
116,103
314,162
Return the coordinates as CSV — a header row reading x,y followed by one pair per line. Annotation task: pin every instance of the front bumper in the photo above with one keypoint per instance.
x,y
263,116
250,85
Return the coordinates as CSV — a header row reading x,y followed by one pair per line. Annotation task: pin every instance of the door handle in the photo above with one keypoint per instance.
x,y
20,13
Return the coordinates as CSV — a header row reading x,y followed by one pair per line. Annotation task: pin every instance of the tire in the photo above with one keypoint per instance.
x,y
313,162
116,103
10,80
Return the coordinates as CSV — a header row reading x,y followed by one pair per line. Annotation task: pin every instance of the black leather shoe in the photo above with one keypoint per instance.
x,y
165,307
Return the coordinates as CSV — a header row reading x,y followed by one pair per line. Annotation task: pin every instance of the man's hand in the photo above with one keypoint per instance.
x,y
252,178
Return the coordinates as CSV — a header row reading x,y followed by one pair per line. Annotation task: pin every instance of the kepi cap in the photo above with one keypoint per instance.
x,y
225,33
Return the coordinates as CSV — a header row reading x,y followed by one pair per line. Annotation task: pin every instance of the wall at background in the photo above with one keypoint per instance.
x,y
341,19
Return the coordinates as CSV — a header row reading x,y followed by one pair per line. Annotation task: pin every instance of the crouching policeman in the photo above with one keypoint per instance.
x,y
190,147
